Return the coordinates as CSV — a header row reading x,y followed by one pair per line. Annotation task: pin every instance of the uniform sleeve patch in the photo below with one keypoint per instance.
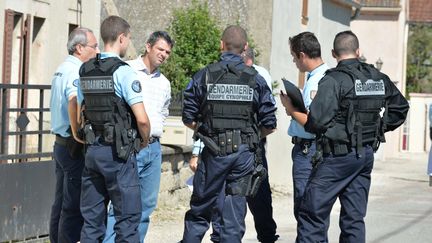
x,y
136,86
75,82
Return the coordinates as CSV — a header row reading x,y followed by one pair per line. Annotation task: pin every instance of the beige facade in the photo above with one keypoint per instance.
x,y
34,37
50,24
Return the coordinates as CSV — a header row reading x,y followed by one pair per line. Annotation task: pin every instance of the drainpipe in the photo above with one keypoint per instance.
x,y
356,13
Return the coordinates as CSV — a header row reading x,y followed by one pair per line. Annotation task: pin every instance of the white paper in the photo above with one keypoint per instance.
x,y
189,183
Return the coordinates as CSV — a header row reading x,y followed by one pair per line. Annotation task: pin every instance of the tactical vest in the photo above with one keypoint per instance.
x,y
229,99
227,118
361,111
108,115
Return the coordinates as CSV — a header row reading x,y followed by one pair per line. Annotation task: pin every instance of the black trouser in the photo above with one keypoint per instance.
x,y
213,173
260,207
346,178
66,220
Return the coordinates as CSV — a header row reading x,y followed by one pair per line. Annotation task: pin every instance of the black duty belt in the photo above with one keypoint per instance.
x,y
61,140
301,141
153,139
245,139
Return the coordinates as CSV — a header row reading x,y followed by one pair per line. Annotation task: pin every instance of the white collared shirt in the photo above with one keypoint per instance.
x,y
156,91
265,74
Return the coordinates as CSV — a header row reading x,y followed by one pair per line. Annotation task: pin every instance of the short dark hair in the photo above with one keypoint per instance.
x,y
307,43
345,42
112,27
234,38
155,36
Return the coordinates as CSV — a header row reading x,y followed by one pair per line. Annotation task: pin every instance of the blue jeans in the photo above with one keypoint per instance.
x,y
149,161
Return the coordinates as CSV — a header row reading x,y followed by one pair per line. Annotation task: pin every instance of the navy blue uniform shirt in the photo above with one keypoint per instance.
x,y
336,86
263,100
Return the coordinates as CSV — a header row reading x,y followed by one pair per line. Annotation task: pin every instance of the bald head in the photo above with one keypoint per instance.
x,y
345,43
234,39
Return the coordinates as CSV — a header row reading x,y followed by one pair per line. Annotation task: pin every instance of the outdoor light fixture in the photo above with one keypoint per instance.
x,y
379,63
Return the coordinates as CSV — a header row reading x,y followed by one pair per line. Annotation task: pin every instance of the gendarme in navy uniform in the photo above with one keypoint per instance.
x,y
306,53
228,105
66,220
353,108
114,122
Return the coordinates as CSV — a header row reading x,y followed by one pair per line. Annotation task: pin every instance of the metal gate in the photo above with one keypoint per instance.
x,y
27,177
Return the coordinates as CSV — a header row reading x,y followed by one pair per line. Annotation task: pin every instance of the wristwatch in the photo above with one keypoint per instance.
x,y
194,155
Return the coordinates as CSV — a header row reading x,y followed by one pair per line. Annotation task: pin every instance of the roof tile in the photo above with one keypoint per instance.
x,y
420,11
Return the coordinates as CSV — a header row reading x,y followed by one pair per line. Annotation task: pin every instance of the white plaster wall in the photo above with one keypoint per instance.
x,y
286,23
326,19
419,125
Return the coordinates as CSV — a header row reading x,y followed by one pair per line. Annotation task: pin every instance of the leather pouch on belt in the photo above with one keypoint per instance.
x,y
229,142
222,143
90,136
340,149
108,133
210,144
236,140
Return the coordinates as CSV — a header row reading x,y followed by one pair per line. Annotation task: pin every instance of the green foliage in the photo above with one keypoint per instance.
x,y
275,86
419,61
197,37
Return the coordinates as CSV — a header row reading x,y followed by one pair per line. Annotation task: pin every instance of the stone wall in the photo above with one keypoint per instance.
x,y
146,16
175,171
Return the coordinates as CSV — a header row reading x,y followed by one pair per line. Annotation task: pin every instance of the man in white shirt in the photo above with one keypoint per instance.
x,y
156,91
249,59
261,205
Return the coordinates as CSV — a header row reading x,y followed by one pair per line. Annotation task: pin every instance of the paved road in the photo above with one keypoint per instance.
x,y
400,208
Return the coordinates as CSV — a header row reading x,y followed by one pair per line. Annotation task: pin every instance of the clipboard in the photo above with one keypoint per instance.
x,y
295,95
